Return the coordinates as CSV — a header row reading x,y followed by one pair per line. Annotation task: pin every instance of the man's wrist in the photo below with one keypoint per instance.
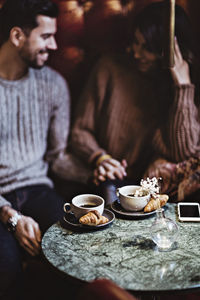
x,y
6,212
12,222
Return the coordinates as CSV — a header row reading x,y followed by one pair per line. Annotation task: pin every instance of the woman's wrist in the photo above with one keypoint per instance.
x,y
102,158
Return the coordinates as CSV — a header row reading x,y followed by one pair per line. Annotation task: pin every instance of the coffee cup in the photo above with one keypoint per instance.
x,y
129,201
84,203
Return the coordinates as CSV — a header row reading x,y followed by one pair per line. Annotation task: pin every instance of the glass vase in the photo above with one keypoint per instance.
x,y
164,231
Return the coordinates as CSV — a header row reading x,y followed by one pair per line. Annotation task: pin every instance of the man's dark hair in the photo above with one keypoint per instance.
x,y
23,13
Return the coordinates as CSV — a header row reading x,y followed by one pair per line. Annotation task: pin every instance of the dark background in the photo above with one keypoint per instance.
x,y
90,28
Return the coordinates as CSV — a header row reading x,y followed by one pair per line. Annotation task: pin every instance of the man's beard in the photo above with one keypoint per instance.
x,y
33,64
32,61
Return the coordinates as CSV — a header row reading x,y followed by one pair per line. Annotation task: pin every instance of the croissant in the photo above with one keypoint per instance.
x,y
157,202
93,218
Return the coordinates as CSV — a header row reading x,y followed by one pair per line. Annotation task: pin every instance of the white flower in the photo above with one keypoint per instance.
x,y
151,184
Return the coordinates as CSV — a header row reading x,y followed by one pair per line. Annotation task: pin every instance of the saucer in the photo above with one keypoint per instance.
x,y
72,221
117,208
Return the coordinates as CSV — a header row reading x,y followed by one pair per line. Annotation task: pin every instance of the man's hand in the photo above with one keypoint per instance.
x,y
27,230
29,235
110,169
180,72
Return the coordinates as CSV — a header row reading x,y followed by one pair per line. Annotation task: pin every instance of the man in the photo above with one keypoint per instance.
x,y
34,125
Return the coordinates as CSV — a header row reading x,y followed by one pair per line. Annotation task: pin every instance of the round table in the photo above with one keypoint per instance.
x,y
125,254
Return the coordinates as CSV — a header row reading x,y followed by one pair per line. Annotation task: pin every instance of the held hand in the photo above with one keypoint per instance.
x,y
110,169
180,72
29,235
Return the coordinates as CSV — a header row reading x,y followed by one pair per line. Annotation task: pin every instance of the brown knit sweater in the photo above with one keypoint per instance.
x,y
120,113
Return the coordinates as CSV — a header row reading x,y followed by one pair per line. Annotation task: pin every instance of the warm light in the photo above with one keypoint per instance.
x,y
73,54
114,5
1,3
71,12
87,6
108,6
71,4
127,8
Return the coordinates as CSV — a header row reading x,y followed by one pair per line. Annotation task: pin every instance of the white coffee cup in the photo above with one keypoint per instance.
x,y
132,203
84,203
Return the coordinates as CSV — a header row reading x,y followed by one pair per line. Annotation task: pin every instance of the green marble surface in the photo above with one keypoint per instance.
x,y
125,253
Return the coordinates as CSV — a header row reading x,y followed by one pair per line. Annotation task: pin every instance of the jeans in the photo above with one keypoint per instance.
x,y
45,207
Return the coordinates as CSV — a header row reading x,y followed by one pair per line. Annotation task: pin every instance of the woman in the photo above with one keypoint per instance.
x,y
137,119
178,164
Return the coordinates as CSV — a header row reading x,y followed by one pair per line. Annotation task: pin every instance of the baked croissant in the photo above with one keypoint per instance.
x,y
93,218
156,203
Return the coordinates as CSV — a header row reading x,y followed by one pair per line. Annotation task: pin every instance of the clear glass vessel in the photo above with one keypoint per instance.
x,y
164,231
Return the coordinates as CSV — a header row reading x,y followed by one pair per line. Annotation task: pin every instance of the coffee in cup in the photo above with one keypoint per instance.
x,y
130,200
84,203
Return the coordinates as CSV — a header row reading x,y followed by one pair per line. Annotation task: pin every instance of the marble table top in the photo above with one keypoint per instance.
x,y
125,254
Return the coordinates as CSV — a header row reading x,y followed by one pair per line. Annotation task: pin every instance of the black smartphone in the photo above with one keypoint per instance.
x,y
189,211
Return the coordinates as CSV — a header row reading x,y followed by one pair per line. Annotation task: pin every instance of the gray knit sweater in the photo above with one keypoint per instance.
x,y
34,127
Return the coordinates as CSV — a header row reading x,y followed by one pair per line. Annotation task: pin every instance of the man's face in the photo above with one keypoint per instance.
x,y
41,39
146,60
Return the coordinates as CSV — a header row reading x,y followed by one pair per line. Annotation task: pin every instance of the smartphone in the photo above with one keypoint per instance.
x,y
189,211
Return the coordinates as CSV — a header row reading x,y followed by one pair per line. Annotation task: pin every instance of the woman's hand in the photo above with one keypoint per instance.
x,y
180,72
110,169
28,234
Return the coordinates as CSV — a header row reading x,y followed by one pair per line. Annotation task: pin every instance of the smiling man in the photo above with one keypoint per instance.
x,y
35,50
34,125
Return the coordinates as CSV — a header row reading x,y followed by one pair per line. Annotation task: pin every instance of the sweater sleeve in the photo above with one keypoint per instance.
x,y
180,138
59,119
84,140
